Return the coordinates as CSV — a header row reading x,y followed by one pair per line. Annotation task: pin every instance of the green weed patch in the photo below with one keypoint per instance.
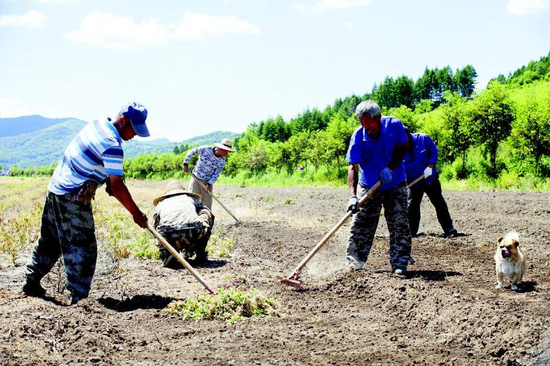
x,y
220,247
231,305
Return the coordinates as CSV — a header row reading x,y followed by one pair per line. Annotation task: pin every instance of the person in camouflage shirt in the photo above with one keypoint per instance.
x,y
94,157
208,168
184,221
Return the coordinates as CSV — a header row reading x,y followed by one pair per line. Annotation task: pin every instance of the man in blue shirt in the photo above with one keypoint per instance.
x,y
94,157
376,153
419,160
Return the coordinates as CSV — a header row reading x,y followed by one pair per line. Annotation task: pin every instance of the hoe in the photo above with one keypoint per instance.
x,y
292,280
214,197
180,259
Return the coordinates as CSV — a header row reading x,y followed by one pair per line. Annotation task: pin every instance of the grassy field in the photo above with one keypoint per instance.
x,y
21,204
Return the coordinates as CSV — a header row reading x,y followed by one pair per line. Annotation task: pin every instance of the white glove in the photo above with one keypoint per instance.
x,y
427,172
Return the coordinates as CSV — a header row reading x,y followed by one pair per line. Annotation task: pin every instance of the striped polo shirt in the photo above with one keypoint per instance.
x,y
94,153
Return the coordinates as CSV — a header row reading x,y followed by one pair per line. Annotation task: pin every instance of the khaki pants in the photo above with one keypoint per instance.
x,y
206,197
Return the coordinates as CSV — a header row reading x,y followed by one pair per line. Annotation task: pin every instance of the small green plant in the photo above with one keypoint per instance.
x,y
267,199
220,247
290,201
380,245
228,304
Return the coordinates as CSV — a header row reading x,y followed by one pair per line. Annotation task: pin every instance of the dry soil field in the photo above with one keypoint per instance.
x,y
447,312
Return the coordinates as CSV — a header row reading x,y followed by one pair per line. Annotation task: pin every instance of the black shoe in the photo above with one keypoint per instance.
x,y
31,288
75,299
201,258
452,233
401,272
172,263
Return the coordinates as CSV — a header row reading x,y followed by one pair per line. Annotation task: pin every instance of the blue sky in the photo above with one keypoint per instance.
x,y
202,66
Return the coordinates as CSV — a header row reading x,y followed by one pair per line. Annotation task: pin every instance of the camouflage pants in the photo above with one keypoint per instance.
x,y
189,240
366,220
67,228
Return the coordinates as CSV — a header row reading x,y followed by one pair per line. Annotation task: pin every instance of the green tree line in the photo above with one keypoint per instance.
x,y
501,132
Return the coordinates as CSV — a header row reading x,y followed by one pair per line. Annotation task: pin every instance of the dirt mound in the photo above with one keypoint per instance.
x,y
446,312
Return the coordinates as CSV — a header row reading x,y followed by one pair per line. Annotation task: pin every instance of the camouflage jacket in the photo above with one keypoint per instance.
x,y
181,212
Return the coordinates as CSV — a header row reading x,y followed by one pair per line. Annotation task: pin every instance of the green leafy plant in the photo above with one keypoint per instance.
x,y
228,304
219,246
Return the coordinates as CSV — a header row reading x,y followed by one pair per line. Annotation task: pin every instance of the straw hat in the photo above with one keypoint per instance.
x,y
174,188
225,144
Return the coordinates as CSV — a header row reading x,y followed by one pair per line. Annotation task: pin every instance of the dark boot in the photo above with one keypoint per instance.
x,y
33,288
172,263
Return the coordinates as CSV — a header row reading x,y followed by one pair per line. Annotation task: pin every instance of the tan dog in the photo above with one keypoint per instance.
x,y
509,260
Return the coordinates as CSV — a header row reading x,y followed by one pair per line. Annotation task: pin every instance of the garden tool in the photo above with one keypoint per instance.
x,y
180,259
416,181
292,280
214,197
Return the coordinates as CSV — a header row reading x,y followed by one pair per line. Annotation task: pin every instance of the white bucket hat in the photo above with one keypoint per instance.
x,y
225,144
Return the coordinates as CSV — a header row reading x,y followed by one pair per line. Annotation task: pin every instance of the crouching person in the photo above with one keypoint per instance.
x,y
185,222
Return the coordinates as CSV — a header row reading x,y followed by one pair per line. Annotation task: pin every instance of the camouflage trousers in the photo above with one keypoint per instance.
x,y
365,222
190,240
67,228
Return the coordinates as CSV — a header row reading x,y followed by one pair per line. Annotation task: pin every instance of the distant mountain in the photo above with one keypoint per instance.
x,y
210,138
21,125
38,141
41,147
134,148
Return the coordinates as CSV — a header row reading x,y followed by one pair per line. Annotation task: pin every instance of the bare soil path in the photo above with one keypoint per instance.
x,y
447,312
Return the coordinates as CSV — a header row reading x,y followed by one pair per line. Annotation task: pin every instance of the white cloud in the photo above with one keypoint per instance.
x,y
340,4
14,108
104,29
58,1
527,7
108,30
32,19
196,25
349,25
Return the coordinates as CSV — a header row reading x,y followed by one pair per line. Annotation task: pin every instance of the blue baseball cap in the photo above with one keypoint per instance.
x,y
137,114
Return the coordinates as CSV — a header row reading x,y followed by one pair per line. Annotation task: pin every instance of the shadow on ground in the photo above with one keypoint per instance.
x,y
136,302
433,275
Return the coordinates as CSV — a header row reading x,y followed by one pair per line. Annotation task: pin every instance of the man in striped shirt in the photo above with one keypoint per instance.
x,y
94,157
208,168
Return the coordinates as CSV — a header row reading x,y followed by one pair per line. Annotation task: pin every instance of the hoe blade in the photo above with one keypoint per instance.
x,y
289,282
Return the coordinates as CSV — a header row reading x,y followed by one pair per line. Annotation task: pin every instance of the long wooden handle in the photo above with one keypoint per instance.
x,y
416,181
332,232
180,259
214,197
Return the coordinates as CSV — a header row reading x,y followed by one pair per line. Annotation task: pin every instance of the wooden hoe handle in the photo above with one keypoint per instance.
x,y
214,197
179,258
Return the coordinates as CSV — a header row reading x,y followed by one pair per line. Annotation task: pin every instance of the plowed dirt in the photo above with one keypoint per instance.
x,y
447,312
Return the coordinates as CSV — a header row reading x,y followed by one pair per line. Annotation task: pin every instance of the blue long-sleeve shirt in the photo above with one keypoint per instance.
x,y
424,153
